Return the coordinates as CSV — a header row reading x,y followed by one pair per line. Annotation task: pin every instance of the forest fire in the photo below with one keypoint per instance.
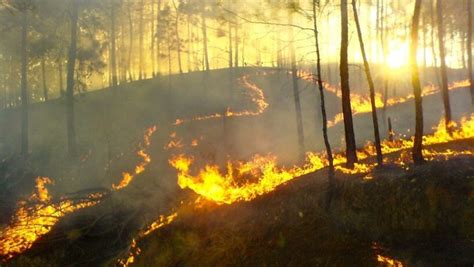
x,y
294,132
36,216
134,250
244,181
127,177
254,92
361,104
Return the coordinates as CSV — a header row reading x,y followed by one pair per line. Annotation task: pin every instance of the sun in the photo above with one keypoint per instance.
x,y
398,55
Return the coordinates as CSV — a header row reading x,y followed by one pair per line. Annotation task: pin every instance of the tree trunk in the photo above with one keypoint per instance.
x,y
130,44
189,43
153,56
113,59
204,42
433,47
231,63
71,62
345,90
60,74
236,40
444,72
296,93
158,44
469,47
323,105
24,84
141,74
371,87
415,79
43,77
178,40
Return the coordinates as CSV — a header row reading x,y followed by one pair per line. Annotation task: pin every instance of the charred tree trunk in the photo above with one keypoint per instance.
x,y
158,44
43,77
444,72
236,40
178,40
433,47
141,60
231,64
24,83
371,87
71,62
415,78
152,48
113,58
469,47
189,43
204,42
130,45
296,93
345,90
323,105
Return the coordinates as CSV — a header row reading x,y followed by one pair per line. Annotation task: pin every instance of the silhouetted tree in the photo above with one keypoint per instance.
x,y
415,78
345,89
371,86
444,72
323,105
71,62
469,47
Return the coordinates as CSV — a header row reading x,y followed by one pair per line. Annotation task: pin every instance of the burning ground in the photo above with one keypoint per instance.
x,y
216,156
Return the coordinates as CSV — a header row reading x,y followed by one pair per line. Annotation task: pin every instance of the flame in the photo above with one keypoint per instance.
x,y
36,217
256,96
127,177
361,104
386,261
134,250
244,181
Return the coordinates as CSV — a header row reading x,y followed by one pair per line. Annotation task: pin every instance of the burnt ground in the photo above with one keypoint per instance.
x,y
285,227
422,216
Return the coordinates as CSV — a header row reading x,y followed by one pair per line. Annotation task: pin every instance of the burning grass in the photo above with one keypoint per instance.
x,y
232,186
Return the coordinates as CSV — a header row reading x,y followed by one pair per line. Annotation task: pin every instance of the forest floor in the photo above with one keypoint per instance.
x,y
422,216
285,227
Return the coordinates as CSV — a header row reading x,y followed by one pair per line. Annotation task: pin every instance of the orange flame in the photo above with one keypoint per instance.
x,y
389,262
245,181
32,223
361,104
254,92
127,177
134,250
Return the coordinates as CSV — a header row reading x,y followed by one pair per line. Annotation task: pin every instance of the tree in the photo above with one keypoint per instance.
x,y
113,58
71,62
415,79
469,47
23,7
444,73
371,86
296,93
204,41
345,89
141,71
323,105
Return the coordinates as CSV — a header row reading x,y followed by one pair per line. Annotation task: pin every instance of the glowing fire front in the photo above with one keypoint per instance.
x,y
244,181
361,104
37,215
127,177
33,221
255,94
